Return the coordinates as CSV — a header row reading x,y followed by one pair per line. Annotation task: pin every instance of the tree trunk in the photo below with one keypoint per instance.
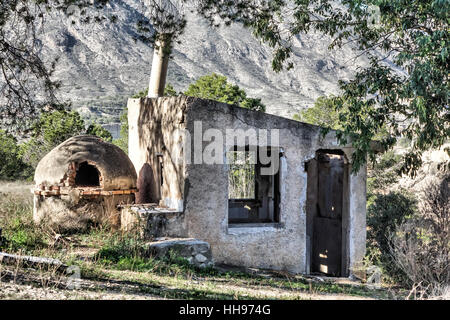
x,y
158,75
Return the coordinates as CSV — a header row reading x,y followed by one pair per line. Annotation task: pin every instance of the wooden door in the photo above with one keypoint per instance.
x,y
326,254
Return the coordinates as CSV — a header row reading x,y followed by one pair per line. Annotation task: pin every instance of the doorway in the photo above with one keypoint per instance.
x,y
326,213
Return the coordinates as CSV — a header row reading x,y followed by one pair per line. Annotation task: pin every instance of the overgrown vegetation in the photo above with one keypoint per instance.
x,y
408,234
420,245
19,232
120,262
407,239
384,215
412,34
125,252
12,167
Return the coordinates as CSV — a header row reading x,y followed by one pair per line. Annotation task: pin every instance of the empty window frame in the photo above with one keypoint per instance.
x,y
253,195
241,175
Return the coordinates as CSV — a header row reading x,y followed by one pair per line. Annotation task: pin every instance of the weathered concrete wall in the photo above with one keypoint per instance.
x,y
152,222
357,225
152,123
204,187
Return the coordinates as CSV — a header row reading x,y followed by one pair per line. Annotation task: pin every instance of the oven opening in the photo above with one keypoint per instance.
x,y
87,176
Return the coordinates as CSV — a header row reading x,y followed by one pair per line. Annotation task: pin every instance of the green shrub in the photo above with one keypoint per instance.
x,y
11,165
18,228
421,246
323,114
117,248
384,214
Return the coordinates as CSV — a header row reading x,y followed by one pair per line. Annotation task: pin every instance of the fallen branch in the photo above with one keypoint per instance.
x,y
32,262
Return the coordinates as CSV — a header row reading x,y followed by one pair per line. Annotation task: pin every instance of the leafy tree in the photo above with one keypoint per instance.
x,y
58,126
53,128
27,85
323,114
97,130
11,166
411,105
216,87
169,91
414,35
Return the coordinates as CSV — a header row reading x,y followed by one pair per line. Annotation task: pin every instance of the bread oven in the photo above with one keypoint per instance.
x,y
81,182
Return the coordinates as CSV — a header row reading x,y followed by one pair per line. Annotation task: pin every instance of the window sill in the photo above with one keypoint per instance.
x,y
242,228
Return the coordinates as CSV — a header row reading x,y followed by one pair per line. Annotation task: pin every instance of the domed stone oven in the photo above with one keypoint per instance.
x,y
81,182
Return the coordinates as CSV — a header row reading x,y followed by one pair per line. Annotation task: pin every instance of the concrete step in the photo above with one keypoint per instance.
x,y
197,252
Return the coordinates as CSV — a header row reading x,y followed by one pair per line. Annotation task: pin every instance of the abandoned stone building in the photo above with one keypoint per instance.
x,y
204,171
306,216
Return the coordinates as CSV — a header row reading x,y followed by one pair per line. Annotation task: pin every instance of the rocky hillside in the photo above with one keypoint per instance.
x,y
100,65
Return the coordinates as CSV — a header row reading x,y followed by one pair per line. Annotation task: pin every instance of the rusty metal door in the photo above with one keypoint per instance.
x,y
327,221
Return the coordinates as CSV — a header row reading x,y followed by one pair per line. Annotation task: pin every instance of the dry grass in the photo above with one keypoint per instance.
x,y
421,245
110,267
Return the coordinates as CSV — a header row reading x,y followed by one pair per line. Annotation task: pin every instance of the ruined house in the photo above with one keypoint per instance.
x,y
305,215
242,187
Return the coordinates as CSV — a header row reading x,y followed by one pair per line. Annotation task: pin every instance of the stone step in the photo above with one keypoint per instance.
x,y
197,252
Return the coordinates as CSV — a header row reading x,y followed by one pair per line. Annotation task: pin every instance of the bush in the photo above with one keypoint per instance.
x,y
117,248
421,246
323,114
383,216
11,165
18,228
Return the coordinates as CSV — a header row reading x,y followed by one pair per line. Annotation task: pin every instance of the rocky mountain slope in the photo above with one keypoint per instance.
x,y
100,64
